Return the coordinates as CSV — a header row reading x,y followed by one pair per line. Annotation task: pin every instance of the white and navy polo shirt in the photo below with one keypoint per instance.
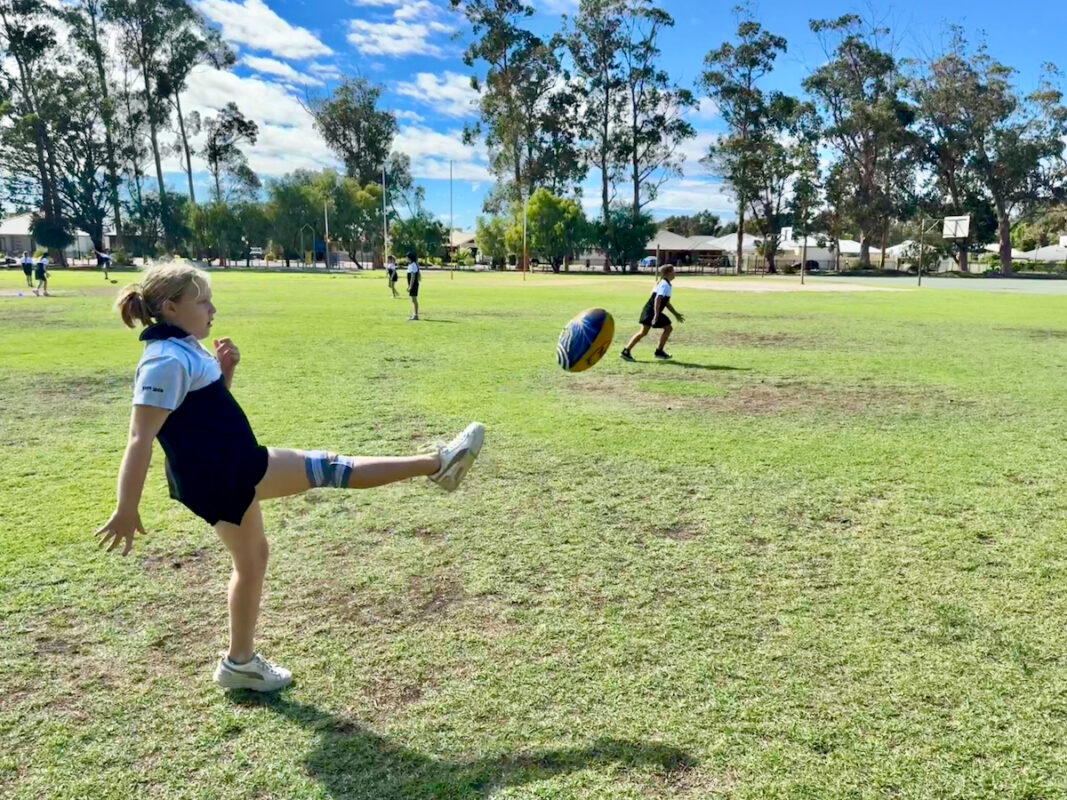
x,y
172,367
214,461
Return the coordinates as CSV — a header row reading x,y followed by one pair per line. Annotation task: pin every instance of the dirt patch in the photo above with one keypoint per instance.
x,y
763,340
679,532
193,560
774,285
1037,334
64,397
730,395
388,694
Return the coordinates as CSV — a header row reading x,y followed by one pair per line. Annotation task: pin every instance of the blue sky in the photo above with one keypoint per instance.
x,y
288,48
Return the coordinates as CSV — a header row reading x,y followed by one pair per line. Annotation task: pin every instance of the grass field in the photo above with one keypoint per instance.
x,y
819,555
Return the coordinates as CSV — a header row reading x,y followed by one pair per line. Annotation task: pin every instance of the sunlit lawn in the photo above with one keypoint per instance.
x,y
820,555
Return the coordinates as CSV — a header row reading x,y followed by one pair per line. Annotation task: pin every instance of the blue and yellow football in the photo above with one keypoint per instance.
x,y
585,340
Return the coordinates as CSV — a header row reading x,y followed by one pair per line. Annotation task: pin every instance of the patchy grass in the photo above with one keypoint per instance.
x,y
819,555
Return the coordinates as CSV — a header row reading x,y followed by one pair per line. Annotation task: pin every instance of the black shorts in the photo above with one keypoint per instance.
x,y
41,275
663,322
215,497
413,291
27,270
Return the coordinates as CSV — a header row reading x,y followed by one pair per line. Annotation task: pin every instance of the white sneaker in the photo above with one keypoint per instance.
x,y
457,456
259,675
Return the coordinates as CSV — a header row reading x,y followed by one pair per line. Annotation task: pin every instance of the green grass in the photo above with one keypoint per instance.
x,y
820,555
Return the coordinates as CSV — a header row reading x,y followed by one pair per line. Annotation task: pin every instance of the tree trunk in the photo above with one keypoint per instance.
x,y
885,240
962,256
1005,239
109,143
740,236
865,249
185,147
151,106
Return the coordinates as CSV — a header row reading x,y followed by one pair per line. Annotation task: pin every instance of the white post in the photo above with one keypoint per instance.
x,y
385,223
451,223
524,267
326,219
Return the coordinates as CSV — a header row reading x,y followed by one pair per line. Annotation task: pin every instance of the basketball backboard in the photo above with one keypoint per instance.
x,y
1063,241
956,227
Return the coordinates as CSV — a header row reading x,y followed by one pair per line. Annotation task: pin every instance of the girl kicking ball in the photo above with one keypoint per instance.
x,y
215,465
654,315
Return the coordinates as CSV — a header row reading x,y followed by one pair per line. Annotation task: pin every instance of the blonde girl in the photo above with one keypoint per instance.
x,y
215,466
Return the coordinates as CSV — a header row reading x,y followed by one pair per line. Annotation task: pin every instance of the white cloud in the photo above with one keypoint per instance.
x,y
419,9
695,149
398,38
413,24
271,66
287,137
431,151
325,70
408,116
688,195
706,110
450,94
253,23
377,3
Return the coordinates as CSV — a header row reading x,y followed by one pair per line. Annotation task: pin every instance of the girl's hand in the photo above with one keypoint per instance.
x,y
680,316
121,527
227,354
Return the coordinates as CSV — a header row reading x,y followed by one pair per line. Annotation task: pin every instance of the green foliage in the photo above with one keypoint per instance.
x,y
525,104
353,127
703,223
556,227
625,237
421,233
490,235
50,232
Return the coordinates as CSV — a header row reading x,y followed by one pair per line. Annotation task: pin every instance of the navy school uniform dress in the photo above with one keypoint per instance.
x,y
213,459
648,313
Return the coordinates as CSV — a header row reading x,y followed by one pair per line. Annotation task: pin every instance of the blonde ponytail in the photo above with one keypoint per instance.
x,y
143,302
132,307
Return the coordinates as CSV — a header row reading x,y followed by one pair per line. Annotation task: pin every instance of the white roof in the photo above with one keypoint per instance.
x,y
995,248
665,240
704,243
461,238
1050,253
19,225
749,243
897,250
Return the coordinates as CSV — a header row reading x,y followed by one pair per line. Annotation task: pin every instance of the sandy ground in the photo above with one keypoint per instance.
x,y
791,284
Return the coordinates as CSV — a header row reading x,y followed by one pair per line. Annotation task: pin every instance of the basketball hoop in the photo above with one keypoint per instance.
x,y
956,227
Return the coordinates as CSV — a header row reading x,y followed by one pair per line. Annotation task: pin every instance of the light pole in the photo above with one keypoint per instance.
x,y
923,230
302,250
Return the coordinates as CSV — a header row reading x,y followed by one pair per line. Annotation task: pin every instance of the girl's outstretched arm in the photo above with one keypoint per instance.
x,y
145,422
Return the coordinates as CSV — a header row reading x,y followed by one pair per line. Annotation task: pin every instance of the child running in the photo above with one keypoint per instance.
x,y
41,274
27,268
414,277
390,272
215,466
654,315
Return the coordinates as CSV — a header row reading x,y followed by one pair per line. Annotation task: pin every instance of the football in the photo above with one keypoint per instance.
x,y
585,340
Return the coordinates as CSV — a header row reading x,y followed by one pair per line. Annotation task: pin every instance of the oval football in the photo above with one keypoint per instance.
x,y
585,340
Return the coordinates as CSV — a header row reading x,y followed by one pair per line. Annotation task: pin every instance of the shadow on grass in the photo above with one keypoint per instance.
x,y
352,761
690,365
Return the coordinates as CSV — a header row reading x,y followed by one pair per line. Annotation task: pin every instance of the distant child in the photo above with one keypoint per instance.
x,y
103,260
27,268
390,272
654,315
41,274
215,465
414,277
